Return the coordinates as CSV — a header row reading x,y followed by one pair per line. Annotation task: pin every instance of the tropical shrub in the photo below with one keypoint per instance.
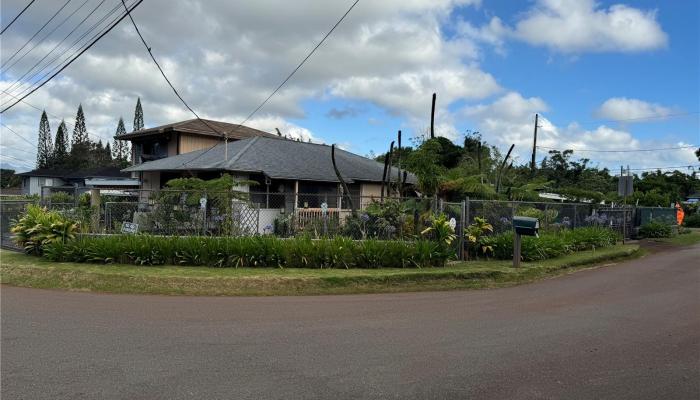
x,y
38,227
655,229
252,251
550,245
475,235
692,221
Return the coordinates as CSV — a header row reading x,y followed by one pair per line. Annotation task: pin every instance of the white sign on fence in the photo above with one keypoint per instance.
x,y
130,227
324,208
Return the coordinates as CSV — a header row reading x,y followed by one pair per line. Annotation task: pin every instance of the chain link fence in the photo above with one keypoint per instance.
x,y
326,214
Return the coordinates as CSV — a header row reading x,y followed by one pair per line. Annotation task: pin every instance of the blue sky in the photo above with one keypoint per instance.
x,y
581,64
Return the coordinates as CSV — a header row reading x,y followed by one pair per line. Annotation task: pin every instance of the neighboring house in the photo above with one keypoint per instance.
x,y
183,137
102,178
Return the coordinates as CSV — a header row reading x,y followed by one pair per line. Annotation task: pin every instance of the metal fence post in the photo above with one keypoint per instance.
x,y
462,226
573,224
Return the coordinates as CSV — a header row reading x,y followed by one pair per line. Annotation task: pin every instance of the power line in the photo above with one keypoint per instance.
x,y
66,59
659,168
20,136
52,116
76,57
43,39
18,149
39,31
651,117
619,151
18,15
285,80
150,53
56,46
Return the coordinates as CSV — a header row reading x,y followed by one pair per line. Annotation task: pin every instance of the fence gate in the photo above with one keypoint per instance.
x,y
620,219
9,211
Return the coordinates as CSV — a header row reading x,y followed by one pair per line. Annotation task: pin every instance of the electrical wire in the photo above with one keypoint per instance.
x,y
43,39
68,57
37,32
285,80
30,70
20,136
76,57
150,53
52,116
620,151
17,16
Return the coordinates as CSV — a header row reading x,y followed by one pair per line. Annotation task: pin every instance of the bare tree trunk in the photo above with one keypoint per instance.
x,y
387,170
500,170
342,181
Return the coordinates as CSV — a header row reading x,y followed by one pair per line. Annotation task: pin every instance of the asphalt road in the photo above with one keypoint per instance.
x,y
631,331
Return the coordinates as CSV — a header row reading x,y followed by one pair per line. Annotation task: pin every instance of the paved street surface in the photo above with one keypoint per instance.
x,y
631,331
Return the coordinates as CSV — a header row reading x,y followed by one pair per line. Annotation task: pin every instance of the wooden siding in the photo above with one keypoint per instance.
x,y
190,143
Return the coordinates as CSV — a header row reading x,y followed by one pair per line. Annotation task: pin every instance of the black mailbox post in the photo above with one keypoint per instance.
x,y
523,226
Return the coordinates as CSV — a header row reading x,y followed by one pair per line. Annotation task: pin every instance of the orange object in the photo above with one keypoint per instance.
x,y
679,214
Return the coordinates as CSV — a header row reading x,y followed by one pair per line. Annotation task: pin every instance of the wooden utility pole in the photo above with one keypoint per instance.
x,y
398,164
432,118
534,147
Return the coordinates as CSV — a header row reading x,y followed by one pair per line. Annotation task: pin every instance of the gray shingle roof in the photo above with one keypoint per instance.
x,y
276,158
196,126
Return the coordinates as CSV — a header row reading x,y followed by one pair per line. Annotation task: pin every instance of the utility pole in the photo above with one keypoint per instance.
x,y
534,147
432,118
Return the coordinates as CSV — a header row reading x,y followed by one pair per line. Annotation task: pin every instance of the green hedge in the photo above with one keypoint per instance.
x,y
692,220
656,229
550,245
258,251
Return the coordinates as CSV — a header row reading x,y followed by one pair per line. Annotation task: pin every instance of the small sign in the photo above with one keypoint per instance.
x,y
130,227
203,202
324,208
453,223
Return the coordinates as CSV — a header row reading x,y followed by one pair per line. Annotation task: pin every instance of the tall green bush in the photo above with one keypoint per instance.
x,y
254,251
39,227
550,245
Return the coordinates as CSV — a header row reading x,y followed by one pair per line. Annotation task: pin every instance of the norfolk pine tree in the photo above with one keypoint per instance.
x,y
60,148
138,116
44,151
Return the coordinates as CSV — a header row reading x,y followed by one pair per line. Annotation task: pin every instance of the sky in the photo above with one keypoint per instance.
x,y
602,75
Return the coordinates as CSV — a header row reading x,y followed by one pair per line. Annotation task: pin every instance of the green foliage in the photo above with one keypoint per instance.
x,y
39,227
62,198
656,229
692,220
8,179
60,148
255,251
475,235
550,245
138,116
440,230
44,150
385,220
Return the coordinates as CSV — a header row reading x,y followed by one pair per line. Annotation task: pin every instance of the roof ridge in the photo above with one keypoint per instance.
x,y
242,151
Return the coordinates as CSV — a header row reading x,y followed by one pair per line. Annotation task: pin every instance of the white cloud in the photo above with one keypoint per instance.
x,y
623,108
227,68
510,120
572,26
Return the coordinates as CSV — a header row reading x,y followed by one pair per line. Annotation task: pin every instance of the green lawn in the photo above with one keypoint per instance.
x,y
685,239
21,270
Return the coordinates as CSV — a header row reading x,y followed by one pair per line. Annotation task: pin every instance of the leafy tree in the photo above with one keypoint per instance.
x,y
8,179
44,151
697,153
138,116
60,148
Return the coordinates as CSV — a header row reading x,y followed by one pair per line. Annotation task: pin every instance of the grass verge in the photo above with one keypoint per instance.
x,y
686,239
27,271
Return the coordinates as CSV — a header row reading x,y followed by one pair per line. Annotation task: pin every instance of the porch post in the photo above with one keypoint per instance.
x,y
296,195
